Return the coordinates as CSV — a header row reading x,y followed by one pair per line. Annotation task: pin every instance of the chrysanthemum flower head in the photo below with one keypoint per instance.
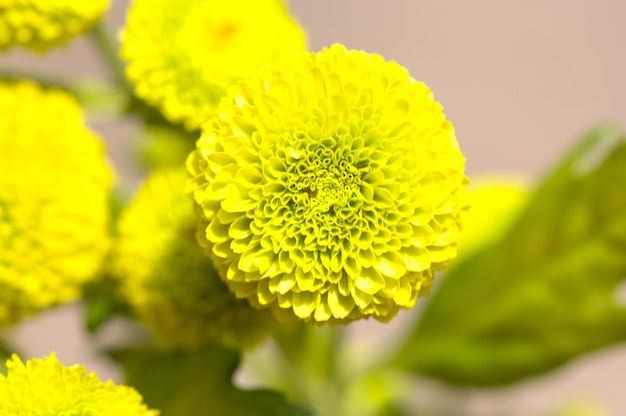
x,y
40,24
182,55
44,386
54,189
173,288
329,187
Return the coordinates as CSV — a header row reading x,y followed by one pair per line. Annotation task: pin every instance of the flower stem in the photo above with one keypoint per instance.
x,y
108,48
93,96
43,80
311,355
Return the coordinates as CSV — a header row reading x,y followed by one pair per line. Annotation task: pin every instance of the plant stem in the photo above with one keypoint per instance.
x,y
311,355
108,48
43,80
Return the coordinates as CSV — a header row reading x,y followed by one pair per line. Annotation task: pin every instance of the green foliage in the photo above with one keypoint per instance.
x,y
102,302
163,145
5,353
545,293
198,382
101,294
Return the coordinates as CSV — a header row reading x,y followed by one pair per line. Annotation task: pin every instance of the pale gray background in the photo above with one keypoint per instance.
x,y
521,80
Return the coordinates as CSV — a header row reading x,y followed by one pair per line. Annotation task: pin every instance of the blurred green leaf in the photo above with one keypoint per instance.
x,y
98,98
198,383
163,145
545,293
152,116
102,302
6,350
118,199
101,295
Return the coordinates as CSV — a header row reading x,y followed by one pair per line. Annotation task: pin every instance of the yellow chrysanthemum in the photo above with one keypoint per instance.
x,y
329,187
172,286
494,203
44,386
54,189
182,55
40,24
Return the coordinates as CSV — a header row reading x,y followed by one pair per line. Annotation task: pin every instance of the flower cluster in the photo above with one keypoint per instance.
x,y
40,24
44,386
329,187
165,277
182,62
54,190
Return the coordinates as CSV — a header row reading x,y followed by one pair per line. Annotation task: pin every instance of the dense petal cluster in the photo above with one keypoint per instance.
x,y
329,187
54,190
173,288
182,55
44,386
40,24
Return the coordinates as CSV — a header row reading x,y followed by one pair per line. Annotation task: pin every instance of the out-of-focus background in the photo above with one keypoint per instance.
x,y
520,79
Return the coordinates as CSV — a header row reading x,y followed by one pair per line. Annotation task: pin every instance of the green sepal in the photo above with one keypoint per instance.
x,y
198,383
545,293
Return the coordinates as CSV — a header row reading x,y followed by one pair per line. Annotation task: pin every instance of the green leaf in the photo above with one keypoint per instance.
x,y
198,383
101,295
545,293
163,145
98,99
6,350
102,302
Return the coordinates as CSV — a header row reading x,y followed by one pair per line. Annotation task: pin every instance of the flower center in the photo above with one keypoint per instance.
x,y
219,36
327,192
323,179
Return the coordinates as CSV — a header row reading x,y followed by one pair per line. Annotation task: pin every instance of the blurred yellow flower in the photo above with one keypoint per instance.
x,y
44,386
40,24
329,187
580,406
182,55
166,278
494,203
54,190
